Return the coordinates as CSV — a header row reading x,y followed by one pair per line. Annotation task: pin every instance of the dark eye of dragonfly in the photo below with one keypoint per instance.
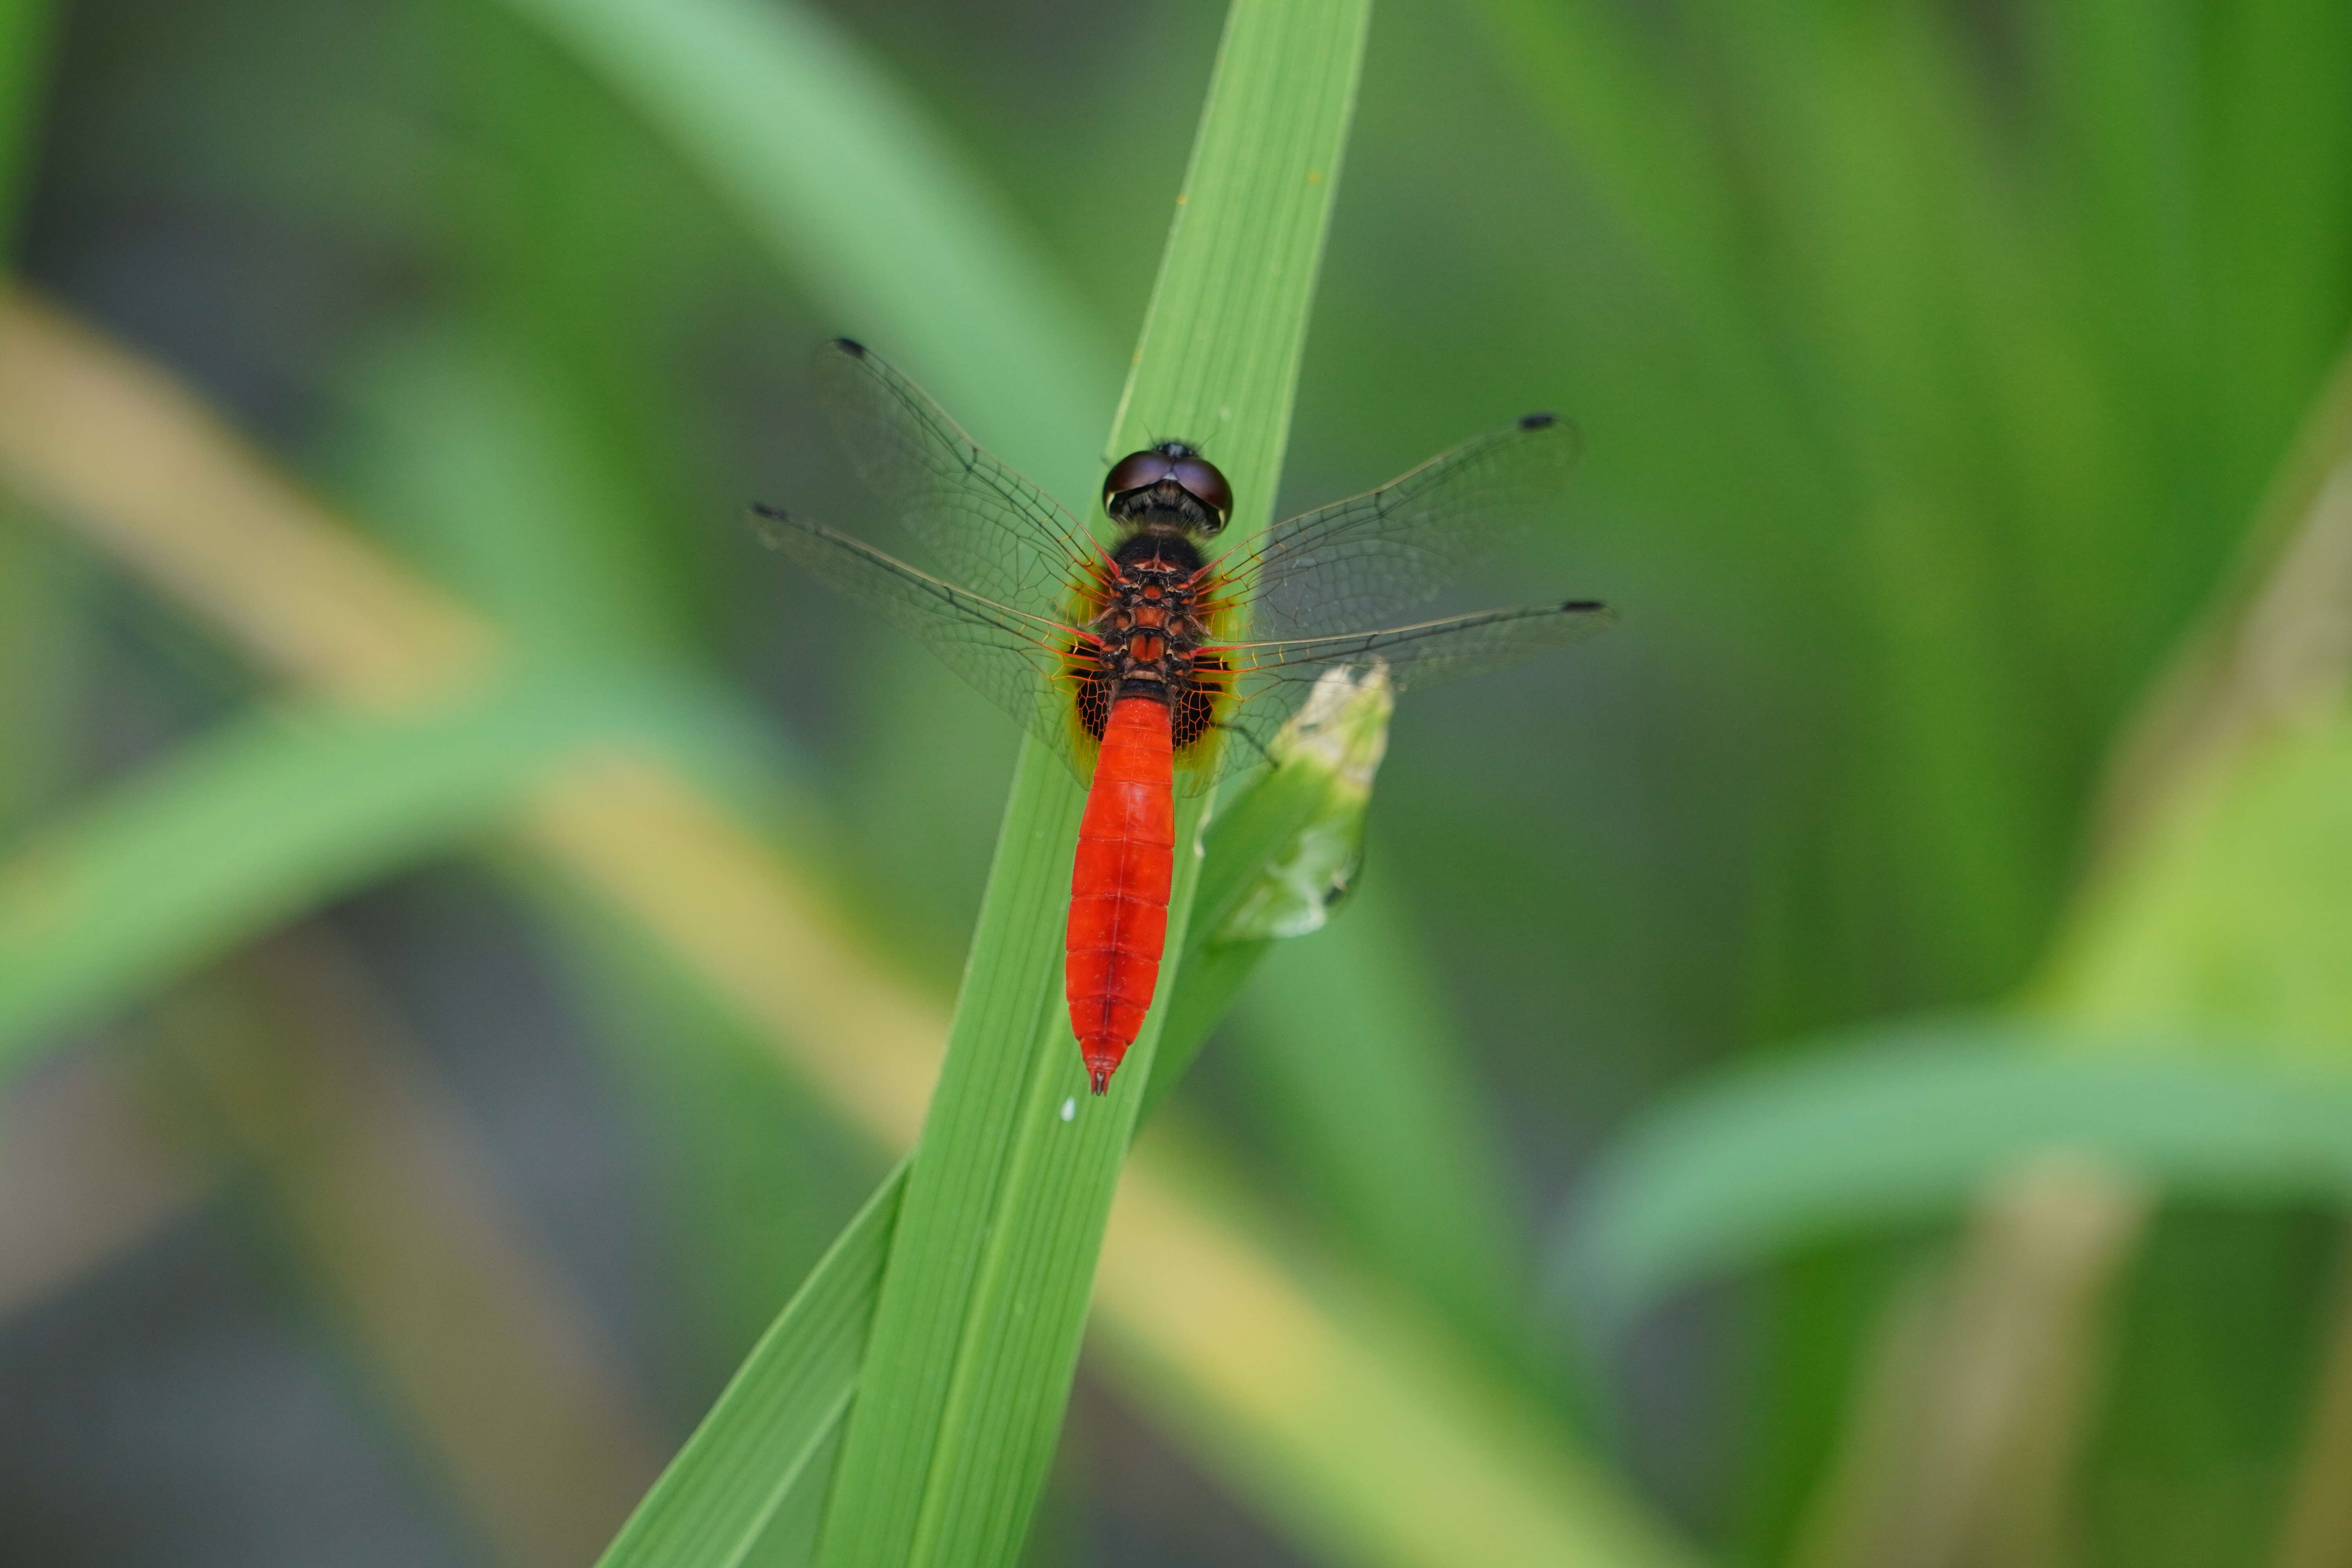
x,y
1128,491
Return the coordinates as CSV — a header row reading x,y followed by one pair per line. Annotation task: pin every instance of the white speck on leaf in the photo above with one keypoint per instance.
x,y
1070,1108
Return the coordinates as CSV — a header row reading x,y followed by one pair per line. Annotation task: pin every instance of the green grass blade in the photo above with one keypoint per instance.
x,y
977,1334
1905,1128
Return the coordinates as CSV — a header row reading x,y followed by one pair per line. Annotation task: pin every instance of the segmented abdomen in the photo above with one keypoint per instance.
x,y
1118,891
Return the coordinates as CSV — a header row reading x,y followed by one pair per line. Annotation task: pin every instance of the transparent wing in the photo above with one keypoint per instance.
x,y
977,518
1357,562
1272,678
1011,657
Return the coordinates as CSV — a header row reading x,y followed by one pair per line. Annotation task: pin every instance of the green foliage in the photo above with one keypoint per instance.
x,y
24,52
845,181
1363,1081
1934,359
274,815
2230,923
1900,1130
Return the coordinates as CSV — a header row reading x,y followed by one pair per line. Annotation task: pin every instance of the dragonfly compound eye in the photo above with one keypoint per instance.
x,y
1133,472
1200,477
1149,482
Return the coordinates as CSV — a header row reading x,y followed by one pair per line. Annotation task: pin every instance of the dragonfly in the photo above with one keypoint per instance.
x,y
1128,656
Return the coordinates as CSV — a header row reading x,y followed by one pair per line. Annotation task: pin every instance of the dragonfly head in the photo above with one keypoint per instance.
x,y
1169,485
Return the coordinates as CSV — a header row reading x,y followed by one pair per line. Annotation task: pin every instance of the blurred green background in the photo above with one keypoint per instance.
x,y
1782,1038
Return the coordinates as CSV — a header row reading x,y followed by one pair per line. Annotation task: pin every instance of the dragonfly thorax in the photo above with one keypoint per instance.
x,y
1151,619
1147,637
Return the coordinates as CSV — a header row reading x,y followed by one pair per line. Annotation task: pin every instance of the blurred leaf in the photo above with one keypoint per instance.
x,y
2216,907
47,641
976,1336
108,441
2267,661
848,183
2221,894
1902,1128
286,1066
1608,92
1340,1411
2038,291
2230,923
268,817
589,257
757,1165
1363,1086
469,456
24,33
1978,283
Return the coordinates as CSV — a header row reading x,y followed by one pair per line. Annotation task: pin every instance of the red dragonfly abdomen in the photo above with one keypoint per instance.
x,y
1118,893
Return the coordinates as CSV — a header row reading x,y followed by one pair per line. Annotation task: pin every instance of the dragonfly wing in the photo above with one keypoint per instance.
x,y
1357,562
978,519
1272,678
1017,660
